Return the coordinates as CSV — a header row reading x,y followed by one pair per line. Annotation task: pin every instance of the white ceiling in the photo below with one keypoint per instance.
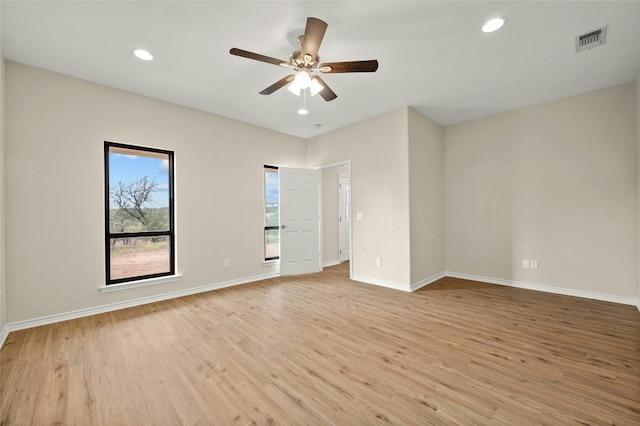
x,y
432,55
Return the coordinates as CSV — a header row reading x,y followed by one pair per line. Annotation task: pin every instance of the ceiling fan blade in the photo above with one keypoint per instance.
x,y
258,57
313,35
278,85
351,66
326,93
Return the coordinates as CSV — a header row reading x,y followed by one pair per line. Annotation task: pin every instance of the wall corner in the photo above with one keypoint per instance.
x,y
3,288
638,178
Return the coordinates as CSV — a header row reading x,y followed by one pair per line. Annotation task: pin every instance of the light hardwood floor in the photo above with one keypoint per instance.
x,y
320,349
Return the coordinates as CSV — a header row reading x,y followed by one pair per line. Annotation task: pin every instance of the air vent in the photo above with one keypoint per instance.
x,y
591,39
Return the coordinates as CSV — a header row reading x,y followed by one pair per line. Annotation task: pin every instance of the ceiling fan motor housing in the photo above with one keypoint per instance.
x,y
297,59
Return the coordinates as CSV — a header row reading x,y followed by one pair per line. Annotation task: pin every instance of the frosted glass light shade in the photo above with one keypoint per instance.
x,y
294,88
303,78
315,87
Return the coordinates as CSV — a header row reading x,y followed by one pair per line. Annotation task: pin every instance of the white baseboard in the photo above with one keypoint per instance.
x,y
65,316
4,333
510,283
50,319
331,263
427,281
547,289
381,283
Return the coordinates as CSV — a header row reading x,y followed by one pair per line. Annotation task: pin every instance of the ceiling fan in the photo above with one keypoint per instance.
x,y
306,61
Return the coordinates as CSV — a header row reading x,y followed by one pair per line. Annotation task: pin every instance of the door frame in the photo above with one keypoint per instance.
x,y
329,166
342,218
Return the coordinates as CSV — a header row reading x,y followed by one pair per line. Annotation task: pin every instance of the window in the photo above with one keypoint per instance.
x,y
139,229
271,214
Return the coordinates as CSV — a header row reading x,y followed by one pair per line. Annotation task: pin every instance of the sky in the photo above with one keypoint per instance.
x,y
271,187
129,168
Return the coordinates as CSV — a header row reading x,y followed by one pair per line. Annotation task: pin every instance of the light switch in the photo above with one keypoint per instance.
x,y
359,216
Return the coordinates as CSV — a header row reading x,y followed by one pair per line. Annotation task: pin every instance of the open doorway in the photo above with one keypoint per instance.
x,y
336,195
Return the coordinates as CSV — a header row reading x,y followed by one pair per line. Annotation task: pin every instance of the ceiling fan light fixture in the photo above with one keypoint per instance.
x,y
315,87
294,88
303,78
493,25
305,61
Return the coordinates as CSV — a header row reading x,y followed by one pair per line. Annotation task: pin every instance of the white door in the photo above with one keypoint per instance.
x,y
344,218
299,221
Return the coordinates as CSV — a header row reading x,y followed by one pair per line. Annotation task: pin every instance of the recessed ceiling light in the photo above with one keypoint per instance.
x,y
303,111
493,25
143,54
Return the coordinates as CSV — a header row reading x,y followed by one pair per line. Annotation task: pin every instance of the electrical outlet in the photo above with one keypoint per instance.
x,y
378,261
226,263
525,263
533,264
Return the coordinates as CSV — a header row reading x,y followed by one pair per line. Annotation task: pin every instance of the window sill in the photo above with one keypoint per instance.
x,y
139,283
271,262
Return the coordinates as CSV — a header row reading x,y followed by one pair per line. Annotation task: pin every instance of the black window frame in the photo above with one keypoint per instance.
x,y
271,227
170,233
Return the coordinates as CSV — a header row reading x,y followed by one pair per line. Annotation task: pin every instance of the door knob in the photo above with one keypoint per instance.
x,y
283,226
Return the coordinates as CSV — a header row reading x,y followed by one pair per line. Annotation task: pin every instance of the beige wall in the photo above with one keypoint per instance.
x,y
330,237
556,183
426,192
378,151
56,126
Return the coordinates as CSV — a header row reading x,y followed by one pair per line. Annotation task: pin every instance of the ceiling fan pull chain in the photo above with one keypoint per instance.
x,y
303,96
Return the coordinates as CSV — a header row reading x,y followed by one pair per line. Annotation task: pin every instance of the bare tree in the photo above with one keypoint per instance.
x,y
131,198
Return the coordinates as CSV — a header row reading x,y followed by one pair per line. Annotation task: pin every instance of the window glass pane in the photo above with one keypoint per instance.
x,y
271,243
271,200
139,256
138,191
